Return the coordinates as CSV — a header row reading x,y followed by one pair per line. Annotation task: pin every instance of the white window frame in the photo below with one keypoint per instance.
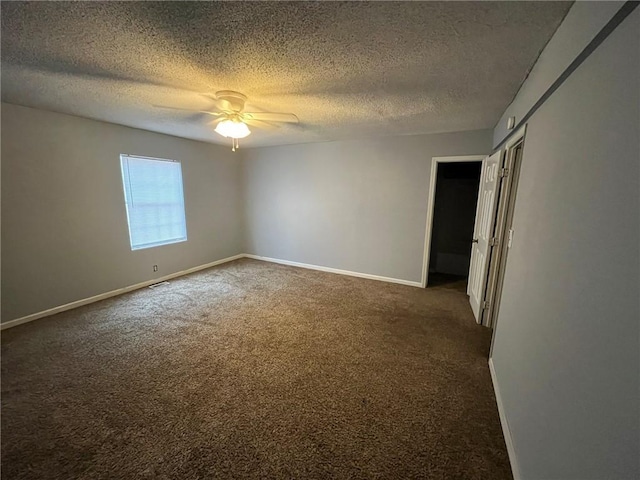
x,y
170,241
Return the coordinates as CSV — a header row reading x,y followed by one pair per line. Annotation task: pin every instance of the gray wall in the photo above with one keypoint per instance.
x,y
583,22
355,205
566,351
64,225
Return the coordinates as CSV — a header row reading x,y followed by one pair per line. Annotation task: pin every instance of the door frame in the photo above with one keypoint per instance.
x,y
506,201
431,205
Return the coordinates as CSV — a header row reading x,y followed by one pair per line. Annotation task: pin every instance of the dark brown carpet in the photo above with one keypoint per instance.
x,y
254,370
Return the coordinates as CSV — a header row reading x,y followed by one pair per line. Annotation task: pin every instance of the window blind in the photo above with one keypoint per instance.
x,y
154,201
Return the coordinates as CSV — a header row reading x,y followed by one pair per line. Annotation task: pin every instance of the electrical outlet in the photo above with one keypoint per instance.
x,y
155,268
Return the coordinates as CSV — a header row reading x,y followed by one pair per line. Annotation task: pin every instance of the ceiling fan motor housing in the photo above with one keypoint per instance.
x,y
231,100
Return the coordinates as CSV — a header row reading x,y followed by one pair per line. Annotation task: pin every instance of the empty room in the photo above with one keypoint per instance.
x,y
318,240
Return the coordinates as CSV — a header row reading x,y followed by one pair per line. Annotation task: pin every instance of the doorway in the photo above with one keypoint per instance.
x,y
504,230
450,221
493,232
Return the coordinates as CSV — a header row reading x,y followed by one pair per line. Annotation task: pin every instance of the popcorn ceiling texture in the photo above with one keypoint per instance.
x,y
347,69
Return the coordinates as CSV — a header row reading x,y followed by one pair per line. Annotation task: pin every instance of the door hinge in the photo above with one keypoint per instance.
x,y
493,242
504,172
485,305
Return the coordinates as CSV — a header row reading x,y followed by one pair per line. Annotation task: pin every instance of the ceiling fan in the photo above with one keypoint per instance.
x,y
233,122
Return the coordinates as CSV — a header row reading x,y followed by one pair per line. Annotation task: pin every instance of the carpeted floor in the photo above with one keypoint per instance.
x,y
254,370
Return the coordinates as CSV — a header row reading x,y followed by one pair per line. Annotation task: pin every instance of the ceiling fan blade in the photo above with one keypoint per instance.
x,y
210,96
260,124
189,110
271,117
218,103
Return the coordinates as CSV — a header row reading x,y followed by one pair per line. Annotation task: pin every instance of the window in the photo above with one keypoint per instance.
x,y
155,201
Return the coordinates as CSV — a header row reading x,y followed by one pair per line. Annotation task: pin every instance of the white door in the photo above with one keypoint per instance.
x,y
483,231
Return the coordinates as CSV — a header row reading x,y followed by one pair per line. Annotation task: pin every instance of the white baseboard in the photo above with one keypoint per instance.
x,y
120,291
505,425
112,293
335,270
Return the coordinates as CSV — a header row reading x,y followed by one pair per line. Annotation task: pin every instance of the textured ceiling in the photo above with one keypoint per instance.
x,y
347,69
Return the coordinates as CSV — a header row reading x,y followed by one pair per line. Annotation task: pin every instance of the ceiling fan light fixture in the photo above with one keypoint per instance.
x,y
232,129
